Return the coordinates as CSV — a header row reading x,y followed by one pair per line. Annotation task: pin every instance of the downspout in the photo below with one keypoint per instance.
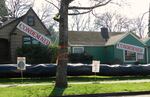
x,y
147,54
10,48
114,49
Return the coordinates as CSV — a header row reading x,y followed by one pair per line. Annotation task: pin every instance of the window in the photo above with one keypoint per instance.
x,y
30,20
29,40
130,56
78,49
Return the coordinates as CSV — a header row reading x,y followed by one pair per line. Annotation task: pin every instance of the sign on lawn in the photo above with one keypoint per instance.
x,y
130,47
95,66
21,63
33,33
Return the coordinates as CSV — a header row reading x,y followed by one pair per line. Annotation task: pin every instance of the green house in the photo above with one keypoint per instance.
x,y
147,47
116,48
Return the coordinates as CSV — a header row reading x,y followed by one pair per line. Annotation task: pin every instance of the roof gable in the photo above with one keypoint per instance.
x,y
146,41
84,38
117,38
40,27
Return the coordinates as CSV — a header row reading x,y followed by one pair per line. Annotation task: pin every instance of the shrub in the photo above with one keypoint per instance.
x,y
37,54
80,58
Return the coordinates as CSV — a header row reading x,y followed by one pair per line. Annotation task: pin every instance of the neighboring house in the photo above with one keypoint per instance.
x,y
12,38
147,47
110,48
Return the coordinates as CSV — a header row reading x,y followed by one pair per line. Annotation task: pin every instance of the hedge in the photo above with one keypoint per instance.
x,y
49,70
37,54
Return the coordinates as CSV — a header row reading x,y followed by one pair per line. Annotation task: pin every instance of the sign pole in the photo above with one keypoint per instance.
x,y
95,77
95,68
21,76
21,65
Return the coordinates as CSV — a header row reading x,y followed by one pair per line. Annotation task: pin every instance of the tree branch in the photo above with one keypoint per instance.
x,y
52,4
80,12
89,8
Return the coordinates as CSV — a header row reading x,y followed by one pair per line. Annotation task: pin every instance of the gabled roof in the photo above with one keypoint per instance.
x,y
8,22
17,20
145,39
84,38
31,10
115,38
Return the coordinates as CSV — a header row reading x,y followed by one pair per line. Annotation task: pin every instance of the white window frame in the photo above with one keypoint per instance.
x,y
78,48
131,60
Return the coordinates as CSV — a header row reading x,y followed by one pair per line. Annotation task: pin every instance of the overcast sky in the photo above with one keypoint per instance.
x,y
133,8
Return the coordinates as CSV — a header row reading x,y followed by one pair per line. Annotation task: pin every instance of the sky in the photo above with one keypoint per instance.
x,y
132,8
129,8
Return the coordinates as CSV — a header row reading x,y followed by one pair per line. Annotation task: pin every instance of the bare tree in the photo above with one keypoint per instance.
x,y
3,10
113,21
17,8
45,13
138,25
62,18
79,22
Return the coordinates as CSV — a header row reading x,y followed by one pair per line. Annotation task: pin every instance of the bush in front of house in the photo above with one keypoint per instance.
x,y
37,54
49,70
80,58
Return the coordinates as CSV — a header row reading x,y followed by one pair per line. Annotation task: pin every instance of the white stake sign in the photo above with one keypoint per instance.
x,y
33,33
95,66
21,63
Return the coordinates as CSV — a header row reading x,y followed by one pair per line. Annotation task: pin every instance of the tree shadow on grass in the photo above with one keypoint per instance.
x,y
57,92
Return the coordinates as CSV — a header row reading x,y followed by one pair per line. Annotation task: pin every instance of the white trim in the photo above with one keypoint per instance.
x,y
132,35
77,47
129,61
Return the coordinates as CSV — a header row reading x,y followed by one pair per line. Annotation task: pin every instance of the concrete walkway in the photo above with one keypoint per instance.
x,y
94,82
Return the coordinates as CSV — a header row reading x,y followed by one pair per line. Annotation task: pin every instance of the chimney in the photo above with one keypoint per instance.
x,y
104,33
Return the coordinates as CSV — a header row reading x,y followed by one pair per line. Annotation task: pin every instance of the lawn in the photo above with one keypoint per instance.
x,y
73,89
70,79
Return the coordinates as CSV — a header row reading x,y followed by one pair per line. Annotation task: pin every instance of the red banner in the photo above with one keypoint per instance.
x,y
33,33
130,47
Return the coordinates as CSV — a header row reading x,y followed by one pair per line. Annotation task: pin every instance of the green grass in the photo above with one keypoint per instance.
x,y
105,78
70,79
49,91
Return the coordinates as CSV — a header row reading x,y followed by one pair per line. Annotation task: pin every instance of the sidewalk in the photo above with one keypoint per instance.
x,y
94,82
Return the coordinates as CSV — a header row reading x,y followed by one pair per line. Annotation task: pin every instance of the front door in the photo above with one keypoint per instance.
x,y
4,51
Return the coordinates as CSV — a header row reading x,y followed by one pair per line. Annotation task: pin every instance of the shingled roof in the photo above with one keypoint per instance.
x,y
85,38
115,38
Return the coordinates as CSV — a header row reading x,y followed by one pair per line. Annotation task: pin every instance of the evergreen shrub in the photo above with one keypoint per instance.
x,y
37,54
80,58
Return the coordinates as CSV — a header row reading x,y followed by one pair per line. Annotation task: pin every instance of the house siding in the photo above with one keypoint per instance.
x,y
98,53
15,36
111,54
119,54
148,50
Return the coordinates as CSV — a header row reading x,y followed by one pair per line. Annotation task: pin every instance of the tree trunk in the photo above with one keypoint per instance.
x,y
61,73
